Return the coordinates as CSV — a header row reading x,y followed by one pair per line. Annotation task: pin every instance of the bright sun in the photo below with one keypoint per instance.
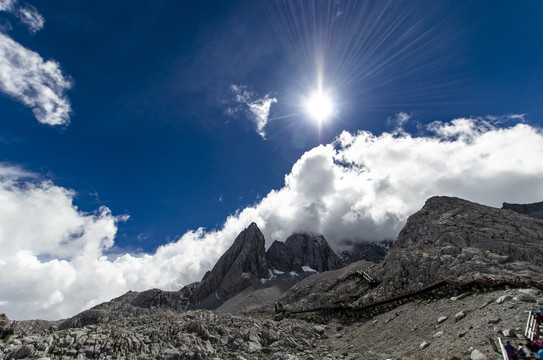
x,y
319,106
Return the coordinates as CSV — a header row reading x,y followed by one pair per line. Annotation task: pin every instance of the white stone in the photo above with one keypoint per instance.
x,y
477,355
459,316
503,299
532,292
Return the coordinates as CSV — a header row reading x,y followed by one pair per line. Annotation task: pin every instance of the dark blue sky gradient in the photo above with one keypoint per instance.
x,y
149,134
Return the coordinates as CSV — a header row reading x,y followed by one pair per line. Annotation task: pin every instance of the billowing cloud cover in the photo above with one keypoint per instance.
x,y
362,186
258,109
27,77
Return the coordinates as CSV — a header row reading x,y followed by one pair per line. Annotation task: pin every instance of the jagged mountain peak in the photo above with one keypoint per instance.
x,y
241,266
302,252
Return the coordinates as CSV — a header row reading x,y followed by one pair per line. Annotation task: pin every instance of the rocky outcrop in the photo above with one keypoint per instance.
x,y
242,265
449,238
534,210
303,252
457,239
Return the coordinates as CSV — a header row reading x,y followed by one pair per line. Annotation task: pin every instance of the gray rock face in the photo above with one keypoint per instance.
x,y
457,239
279,257
449,238
534,210
241,266
303,250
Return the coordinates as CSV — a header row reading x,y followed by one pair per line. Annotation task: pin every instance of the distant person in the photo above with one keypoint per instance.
x,y
511,351
540,353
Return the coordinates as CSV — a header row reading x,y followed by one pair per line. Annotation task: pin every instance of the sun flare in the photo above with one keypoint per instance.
x,y
319,106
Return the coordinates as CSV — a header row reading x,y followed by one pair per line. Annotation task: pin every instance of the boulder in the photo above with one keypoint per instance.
x,y
503,299
477,355
459,316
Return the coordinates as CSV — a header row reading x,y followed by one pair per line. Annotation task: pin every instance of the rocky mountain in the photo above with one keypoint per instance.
x,y
457,239
245,269
448,238
303,252
534,210
244,264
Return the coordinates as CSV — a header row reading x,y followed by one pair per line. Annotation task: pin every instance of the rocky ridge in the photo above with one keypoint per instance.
x,y
534,210
449,238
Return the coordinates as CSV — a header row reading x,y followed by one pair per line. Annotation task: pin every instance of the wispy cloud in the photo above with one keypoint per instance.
x,y
398,122
38,84
361,186
26,13
11,171
258,109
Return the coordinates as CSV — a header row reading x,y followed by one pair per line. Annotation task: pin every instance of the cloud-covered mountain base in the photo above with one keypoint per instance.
x,y
360,187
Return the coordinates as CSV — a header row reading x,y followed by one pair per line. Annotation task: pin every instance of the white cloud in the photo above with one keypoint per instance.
x,y
362,186
257,108
30,17
7,5
26,13
398,122
36,83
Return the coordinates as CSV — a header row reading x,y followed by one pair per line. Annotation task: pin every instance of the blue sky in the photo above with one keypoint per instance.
x,y
157,105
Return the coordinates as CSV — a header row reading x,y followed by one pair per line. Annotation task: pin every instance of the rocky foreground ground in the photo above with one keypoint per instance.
x,y
465,327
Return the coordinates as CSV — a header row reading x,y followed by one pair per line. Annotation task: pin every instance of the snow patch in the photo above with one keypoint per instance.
x,y
272,276
293,273
277,272
308,269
